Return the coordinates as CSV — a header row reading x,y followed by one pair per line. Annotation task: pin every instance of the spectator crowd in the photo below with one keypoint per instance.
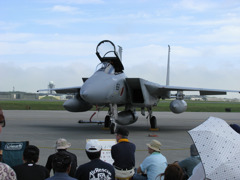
x,y
64,163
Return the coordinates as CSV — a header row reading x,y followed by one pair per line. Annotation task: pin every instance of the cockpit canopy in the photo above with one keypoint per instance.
x,y
106,52
106,67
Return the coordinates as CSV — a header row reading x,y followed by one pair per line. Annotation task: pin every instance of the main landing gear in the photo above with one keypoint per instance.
x,y
113,128
153,122
108,123
152,119
110,118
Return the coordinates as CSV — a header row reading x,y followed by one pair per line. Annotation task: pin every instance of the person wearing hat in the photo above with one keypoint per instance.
x,y
62,145
29,170
96,168
189,163
123,154
61,164
154,164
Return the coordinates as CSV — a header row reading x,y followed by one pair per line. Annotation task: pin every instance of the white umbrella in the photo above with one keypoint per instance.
x,y
219,148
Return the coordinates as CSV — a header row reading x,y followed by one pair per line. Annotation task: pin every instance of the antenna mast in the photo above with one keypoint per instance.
x,y
168,66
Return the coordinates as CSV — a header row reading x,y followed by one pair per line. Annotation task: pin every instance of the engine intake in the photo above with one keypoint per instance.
x,y
126,117
178,106
76,104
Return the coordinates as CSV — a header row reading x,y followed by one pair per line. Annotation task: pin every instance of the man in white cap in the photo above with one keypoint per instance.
x,y
96,168
62,145
153,165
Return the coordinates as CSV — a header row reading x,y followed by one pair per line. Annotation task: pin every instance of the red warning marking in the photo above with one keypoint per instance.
x,y
92,116
122,91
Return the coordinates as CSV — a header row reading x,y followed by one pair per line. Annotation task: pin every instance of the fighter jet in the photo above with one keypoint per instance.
x,y
110,87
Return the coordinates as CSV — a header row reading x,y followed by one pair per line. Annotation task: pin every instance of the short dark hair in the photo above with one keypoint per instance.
x,y
93,155
122,131
31,154
61,161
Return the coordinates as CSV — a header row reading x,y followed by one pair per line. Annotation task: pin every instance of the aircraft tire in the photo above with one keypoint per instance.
x,y
112,128
107,121
153,122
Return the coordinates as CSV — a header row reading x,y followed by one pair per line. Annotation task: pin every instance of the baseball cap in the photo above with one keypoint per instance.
x,y
93,146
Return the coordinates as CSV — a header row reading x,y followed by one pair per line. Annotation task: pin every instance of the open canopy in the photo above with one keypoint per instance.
x,y
106,52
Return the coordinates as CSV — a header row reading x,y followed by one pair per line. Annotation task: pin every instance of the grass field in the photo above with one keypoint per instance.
x,y
193,106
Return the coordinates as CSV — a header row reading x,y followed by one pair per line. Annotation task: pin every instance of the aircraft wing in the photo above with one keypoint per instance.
x,y
156,89
68,90
146,89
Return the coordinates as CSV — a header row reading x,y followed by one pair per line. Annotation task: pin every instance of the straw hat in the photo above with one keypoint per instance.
x,y
155,145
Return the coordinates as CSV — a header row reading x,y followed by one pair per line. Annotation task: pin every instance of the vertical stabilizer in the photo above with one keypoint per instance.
x,y
168,67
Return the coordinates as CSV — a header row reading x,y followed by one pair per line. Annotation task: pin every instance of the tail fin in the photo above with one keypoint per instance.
x,y
168,67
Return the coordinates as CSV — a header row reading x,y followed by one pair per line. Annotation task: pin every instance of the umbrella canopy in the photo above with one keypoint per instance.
x,y
219,148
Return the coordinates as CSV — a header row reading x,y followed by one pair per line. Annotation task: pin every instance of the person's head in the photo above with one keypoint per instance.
x,y
121,133
61,144
61,162
31,154
173,172
193,150
93,149
154,146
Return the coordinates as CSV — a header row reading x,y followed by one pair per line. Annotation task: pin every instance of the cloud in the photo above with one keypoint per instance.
x,y
195,5
75,1
8,26
33,78
65,9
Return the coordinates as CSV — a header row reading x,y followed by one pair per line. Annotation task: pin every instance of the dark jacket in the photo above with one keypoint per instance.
x,y
28,171
123,154
73,164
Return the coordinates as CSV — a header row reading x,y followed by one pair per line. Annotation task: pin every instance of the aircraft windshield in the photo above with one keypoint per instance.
x,y
105,67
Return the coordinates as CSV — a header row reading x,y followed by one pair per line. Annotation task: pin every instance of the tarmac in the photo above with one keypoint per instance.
x,y
43,128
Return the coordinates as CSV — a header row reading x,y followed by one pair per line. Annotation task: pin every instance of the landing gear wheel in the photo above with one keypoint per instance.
x,y
153,122
107,121
112,128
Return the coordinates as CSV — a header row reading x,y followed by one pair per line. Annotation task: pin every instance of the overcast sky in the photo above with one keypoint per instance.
x,y
55,40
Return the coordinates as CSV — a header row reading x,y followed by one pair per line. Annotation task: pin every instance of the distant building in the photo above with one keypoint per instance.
x,y
18,95
196,99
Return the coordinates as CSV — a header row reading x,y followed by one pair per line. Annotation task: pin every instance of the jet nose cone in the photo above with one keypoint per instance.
x,y
84,94
94,95
97,89
89,95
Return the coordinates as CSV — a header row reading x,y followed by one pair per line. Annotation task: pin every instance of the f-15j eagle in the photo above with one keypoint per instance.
x,y
109,86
